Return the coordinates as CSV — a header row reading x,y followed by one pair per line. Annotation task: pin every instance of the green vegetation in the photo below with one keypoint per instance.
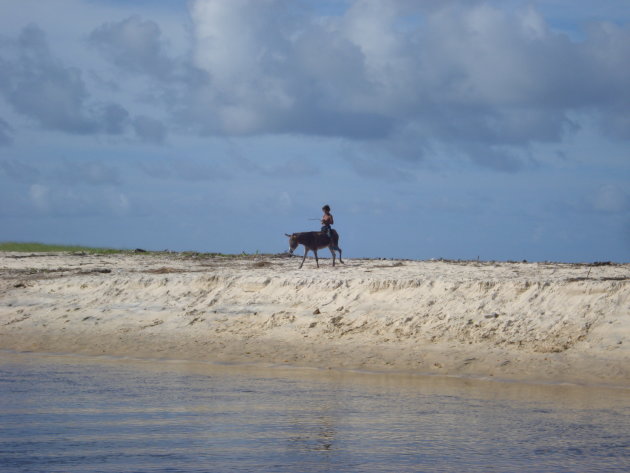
x,y
43,248
46,248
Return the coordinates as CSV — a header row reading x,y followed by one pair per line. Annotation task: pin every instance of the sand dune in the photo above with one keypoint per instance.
x,y
523,321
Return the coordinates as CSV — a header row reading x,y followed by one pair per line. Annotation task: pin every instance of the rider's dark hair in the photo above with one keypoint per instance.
x,y
326,207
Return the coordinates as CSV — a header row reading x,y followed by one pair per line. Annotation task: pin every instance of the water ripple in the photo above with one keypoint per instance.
x,y
65,414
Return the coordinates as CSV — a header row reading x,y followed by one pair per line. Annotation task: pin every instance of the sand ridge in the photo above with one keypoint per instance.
x,y
547,322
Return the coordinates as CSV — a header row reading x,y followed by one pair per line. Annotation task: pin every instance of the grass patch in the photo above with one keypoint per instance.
x,y
18,247
45,248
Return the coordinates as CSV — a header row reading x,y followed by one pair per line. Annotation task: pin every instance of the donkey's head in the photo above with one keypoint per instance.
x,y
293,242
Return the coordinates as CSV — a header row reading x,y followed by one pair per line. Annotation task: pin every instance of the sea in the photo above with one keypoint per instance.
x,y
67,413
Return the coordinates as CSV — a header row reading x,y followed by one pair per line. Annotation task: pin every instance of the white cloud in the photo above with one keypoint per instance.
x,y
75,201
488,80
40,86
471,74
134,45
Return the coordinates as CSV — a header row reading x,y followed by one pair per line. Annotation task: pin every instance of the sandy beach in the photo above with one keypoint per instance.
x,y
534,322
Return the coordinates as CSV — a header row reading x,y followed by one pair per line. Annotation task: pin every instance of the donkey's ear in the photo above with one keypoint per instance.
x,y
287,234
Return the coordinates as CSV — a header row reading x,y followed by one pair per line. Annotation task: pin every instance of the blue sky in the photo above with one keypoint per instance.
x,y
455,129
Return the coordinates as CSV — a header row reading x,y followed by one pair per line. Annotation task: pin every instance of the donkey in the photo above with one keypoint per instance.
x,y
315,241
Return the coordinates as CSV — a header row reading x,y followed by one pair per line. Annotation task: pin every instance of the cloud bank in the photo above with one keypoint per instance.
x,y
483,80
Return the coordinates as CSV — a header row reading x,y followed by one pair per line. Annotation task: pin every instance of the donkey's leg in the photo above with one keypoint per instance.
x,y
316,259
305,253
335,245
332,252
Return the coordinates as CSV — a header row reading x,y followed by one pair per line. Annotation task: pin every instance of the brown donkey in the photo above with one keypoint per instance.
x,y
313,241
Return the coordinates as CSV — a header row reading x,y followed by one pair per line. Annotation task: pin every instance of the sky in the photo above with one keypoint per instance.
x,y
457,129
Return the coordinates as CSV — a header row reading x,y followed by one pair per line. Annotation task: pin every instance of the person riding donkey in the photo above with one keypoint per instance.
x,y
327,221
313,241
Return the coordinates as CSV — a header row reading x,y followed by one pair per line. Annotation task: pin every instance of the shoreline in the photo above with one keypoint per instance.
x,y
277,369
531,322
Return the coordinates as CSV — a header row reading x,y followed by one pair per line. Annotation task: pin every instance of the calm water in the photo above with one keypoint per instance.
x,y
74,414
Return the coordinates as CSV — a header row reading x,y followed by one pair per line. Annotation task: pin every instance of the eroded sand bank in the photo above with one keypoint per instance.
x,y
524,321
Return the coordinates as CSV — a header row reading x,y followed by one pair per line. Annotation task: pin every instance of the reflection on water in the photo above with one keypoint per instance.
x,y
73,414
